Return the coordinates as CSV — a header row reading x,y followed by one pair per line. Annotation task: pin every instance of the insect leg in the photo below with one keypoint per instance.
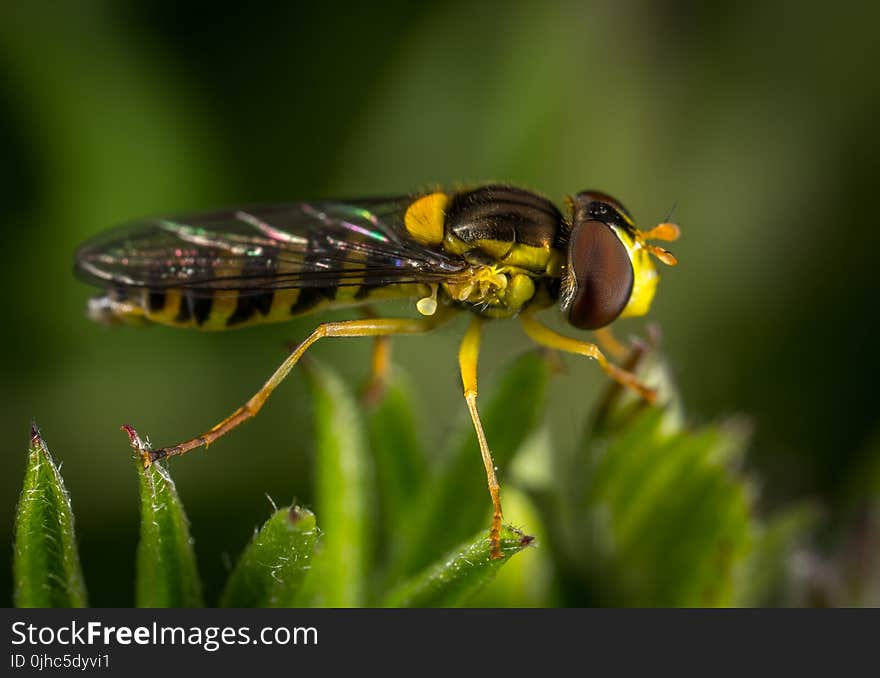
x,y
468,354
368,327
612,345
544,336
380,364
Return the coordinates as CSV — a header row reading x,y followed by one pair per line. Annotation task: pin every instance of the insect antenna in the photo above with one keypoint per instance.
x,y
667,232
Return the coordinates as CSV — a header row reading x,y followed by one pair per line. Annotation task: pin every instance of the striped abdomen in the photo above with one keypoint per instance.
x,y
226,309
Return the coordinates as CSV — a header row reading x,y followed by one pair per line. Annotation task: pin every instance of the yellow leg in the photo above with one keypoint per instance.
x,y
370,327
610,343
380,366
544,336
468,355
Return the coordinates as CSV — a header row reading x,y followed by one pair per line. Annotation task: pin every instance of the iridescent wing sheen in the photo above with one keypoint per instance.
x,y
306,244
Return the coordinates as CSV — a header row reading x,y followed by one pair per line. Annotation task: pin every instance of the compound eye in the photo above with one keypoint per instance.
x,y
603,275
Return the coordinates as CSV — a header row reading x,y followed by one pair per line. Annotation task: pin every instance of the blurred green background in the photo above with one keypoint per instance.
x,y
756,120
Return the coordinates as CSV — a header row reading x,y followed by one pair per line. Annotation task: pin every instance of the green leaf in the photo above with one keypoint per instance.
x,y
343,492
664,519
166,575
621,405
650,512
459,574
455,502
525,581
46,567
399,458
274,565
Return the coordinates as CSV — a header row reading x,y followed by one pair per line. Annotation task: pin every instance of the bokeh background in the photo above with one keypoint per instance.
x,y
755,120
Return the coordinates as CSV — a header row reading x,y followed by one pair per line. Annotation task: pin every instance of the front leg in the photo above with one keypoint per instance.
x,y
543,335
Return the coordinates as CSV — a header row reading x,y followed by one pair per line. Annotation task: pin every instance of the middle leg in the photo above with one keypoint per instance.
x,y
468,355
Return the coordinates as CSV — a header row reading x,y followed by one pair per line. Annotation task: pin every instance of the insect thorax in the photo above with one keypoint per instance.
x,y
496,291
508,235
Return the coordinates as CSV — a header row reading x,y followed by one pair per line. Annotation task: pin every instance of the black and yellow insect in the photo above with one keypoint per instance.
x,y
497,251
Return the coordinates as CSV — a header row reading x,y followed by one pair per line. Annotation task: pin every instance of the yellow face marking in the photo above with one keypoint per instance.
x,y
424,218
645,276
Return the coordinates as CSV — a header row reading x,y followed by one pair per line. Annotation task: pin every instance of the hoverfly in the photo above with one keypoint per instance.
x,y
495,250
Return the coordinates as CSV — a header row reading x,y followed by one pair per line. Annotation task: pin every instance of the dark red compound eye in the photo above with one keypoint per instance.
x,y
602,272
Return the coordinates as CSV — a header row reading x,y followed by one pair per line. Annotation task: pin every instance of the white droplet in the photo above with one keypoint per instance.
x,y
427,306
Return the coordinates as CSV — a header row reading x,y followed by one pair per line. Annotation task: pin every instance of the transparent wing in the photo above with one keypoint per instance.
x,y
307,244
